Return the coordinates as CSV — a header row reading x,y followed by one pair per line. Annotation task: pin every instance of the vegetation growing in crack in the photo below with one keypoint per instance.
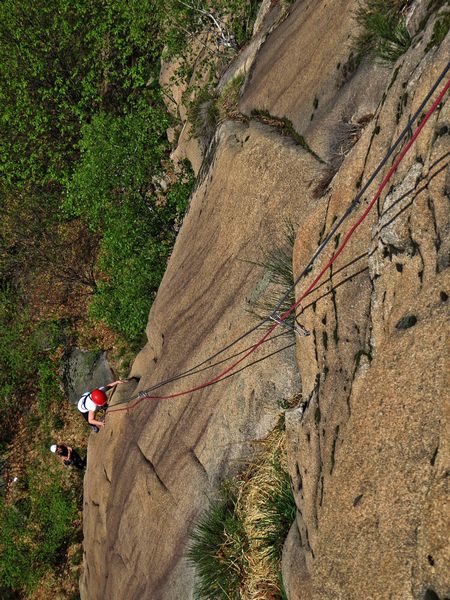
x,y
383,32
228,98
219,546
440,29
279,277
203,114
236,545
345,135
333,449
286,128
210,107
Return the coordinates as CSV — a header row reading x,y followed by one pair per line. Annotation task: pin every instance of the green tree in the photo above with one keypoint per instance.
x,y
61,61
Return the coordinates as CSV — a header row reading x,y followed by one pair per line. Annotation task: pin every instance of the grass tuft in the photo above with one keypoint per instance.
x,y
278,268
209,108
440,30
203,114
383,31
228,99
237,544
218,548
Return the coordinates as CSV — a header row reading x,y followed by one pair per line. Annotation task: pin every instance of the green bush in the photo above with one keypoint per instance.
x,y
61,62
383,31
119,157
34,532
217,550
16,353
132,259
14,560
177,197
113,189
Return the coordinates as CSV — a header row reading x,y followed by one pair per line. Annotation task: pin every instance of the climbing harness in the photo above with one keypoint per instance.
x,y
279,319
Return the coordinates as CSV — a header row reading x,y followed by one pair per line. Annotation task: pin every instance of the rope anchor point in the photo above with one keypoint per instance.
x,y
296,326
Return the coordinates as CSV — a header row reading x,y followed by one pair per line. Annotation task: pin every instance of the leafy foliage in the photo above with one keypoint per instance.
x,y
34,531
25,366
16,356
61,62
82,135
228,22
113,190
228,99
82,140
119,156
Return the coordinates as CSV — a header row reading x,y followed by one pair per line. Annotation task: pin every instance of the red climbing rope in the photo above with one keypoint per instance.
x,y
317,278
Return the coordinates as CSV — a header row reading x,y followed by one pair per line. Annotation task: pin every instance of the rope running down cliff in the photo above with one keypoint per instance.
x,y
197,368
353,205
145,394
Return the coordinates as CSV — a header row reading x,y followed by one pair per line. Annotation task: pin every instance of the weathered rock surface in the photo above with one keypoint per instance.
x,y
84,370
368,445
203,53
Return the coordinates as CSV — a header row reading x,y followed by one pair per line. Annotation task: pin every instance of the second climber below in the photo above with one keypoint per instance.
x,y
91,401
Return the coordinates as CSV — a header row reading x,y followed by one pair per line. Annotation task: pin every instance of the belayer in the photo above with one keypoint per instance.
x,y
68,456
91,401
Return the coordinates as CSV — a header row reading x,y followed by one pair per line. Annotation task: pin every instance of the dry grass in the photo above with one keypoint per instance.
x,y
259,484
237,543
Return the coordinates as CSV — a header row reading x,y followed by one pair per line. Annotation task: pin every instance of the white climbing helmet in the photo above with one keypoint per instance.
x,y
53,448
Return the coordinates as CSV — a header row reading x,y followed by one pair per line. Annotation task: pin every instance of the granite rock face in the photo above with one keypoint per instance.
x,y
368,445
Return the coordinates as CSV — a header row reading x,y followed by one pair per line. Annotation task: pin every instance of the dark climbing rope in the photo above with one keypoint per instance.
x,y
353,205
144,394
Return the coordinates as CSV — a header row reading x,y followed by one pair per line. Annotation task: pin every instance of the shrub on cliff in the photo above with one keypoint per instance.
x,y
383,31
237,543
113,191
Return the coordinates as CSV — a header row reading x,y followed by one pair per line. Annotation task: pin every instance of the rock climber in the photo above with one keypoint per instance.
x,y
91,401
68,456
